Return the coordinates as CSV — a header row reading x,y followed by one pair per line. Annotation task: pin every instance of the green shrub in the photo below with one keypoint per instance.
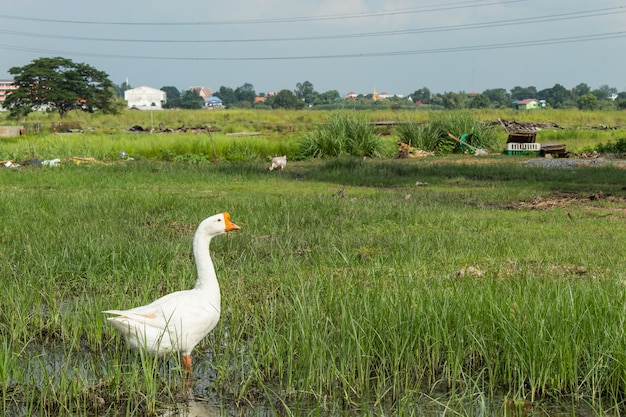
x,y
433,135
343,134
618,147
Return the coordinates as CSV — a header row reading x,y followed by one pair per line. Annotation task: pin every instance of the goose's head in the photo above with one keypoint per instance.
x,y
217,225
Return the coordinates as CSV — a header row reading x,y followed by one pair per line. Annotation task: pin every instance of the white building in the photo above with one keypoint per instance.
x,y
145,98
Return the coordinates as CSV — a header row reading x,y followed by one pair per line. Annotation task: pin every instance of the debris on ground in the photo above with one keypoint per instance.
x,y
85,160
566,163
477,150
407,151
244,134
470,271
51,162
551,150
564,199
514,126
181,129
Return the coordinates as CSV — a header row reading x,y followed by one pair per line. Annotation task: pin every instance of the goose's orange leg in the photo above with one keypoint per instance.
x,y
187,363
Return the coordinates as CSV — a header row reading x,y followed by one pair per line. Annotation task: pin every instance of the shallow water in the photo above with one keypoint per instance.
x,y
48,365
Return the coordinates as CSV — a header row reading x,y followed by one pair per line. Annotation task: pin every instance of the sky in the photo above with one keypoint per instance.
x,y
392,46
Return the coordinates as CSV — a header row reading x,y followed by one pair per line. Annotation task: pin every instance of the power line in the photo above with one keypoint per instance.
x,y
298,19
481,25
506,45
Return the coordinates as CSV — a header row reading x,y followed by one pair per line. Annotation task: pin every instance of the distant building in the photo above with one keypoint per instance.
x,y
528,104
6,86
213,103
375,95
204,92
145,98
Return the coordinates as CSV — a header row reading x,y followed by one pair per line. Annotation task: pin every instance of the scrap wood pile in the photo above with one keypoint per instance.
x,y
180,129
513,126
601,127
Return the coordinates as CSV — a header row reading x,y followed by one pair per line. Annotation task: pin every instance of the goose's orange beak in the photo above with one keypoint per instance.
x,y
230,226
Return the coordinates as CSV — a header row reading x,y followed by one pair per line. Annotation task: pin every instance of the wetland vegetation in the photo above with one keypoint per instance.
x,y
451,285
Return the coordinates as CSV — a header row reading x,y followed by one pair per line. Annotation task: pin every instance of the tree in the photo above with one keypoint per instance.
x,y
479,101
227,95
190,100
305,92
171,93
327,97
284,99
173,97
245,94
60,84
498,97
521,93
557,96
587,102
423,95
580,90
119,89
453,101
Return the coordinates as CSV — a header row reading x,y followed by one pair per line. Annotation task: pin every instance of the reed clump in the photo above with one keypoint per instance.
x,y
343,134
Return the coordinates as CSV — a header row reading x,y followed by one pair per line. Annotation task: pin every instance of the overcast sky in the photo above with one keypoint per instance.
x,y
395,46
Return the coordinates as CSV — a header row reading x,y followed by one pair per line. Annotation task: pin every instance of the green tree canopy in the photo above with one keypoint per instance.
x,y
327,97
173,97
120,89
498,97
557,96
245,95
227,95
587,102
423,95
60,84
521,93
171,92
284,99
453,101
305,91
479,101
580,90
190,100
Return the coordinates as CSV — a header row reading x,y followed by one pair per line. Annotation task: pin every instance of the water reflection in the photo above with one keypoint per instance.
x,y
193,408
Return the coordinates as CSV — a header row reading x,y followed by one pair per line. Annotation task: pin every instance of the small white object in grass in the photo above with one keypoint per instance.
x,y
278,162
52,162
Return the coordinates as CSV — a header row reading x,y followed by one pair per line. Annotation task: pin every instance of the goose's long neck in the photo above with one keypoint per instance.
x,y
207,280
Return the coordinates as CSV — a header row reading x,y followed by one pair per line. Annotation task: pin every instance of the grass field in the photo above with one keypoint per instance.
x,y
495,289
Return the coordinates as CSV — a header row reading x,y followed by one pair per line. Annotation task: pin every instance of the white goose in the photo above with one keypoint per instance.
x,y
178,321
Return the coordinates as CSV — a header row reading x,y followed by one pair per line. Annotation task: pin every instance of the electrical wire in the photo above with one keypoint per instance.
x,y
299,19
481,25
520,44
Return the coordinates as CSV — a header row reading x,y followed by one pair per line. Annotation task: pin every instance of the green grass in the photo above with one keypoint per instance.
x,y
341,293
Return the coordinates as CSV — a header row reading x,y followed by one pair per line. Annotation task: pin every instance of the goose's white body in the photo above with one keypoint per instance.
x,y
177,322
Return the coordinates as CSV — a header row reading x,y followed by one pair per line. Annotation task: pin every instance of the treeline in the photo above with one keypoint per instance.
x,y
581,97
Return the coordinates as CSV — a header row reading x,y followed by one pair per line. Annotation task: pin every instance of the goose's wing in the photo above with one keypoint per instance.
x,y
184,316
157,314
